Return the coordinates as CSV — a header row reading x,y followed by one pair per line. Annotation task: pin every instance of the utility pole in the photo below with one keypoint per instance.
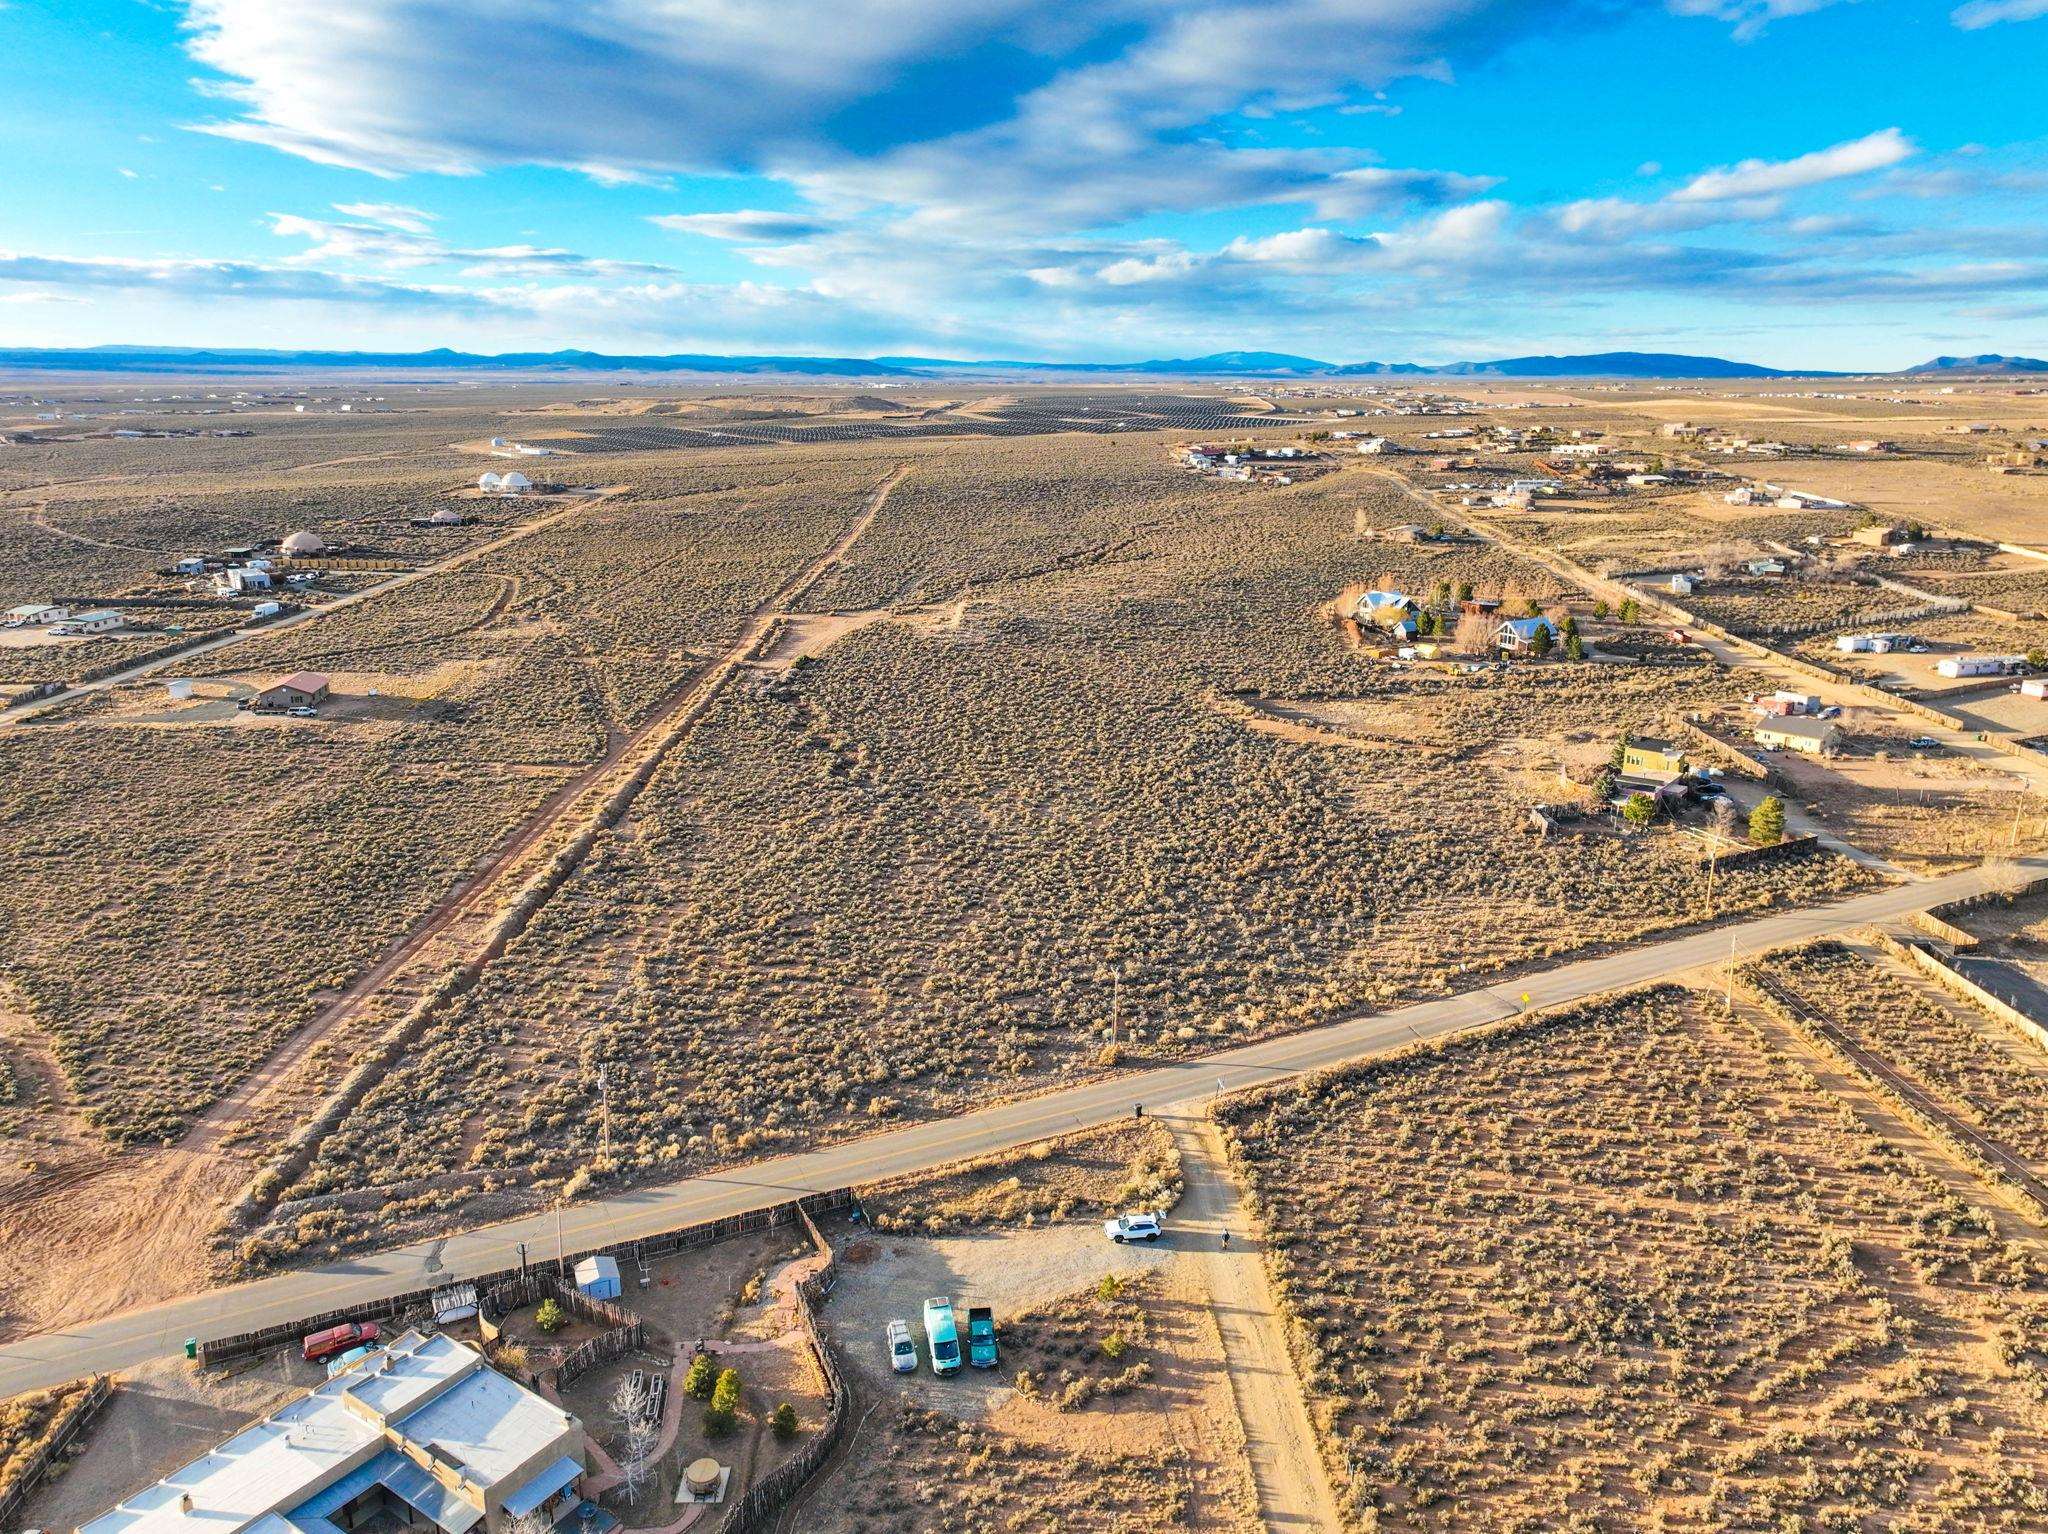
x,y
1729,1000
1713,862
561,1255
1116,1001
2019,799
604,1102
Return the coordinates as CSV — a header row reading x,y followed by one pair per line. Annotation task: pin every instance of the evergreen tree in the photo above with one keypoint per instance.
x,y
1767,821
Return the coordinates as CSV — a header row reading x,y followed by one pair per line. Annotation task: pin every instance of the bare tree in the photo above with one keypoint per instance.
x,y
1475,634
632,1404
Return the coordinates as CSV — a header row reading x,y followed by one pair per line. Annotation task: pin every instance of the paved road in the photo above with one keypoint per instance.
x,y
157,1331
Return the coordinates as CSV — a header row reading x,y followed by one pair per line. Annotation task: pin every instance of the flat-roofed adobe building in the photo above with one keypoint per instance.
x,y
420,1435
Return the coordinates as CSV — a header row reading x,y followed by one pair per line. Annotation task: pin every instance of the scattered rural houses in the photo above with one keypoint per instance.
x,y
1813,737
1645,759
1785,705
1392,612
421,1434
1517,636
1980,665
1877,644
36,615
241,578
1374,447
1878,535
510,483
302,689
99,621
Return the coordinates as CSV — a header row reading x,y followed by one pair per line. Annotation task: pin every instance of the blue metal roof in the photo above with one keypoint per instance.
x,y
555,1478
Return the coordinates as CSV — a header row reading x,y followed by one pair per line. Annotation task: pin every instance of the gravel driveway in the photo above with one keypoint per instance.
x,y
887,1277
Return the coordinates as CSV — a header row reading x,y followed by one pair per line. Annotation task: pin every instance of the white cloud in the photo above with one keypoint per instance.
x,y
1759,178
1750,17
391,214
747,224
1989,13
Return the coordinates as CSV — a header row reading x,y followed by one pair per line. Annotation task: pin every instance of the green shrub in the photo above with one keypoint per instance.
x,y
703,1374
550,1317
725,1395
784,1421
1114,1346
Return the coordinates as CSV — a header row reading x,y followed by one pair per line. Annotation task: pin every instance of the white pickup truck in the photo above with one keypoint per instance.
x,y
1136,1226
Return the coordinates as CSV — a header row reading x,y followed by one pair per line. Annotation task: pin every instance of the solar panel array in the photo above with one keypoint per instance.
x,y
1103,414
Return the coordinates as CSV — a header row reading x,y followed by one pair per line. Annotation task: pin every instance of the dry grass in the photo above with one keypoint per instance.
x,y
1626,1266
1984,1072
894,880
27,1424
1123,1166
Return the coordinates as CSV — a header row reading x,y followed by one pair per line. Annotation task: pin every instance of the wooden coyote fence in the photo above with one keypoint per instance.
x,y
757,1510
622,1329
75,1420
243,1344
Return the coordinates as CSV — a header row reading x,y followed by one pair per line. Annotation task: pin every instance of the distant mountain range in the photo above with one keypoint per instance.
x,y
1982,363
1238,364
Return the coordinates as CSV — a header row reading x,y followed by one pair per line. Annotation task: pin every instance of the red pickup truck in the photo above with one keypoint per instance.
x,y
339,1339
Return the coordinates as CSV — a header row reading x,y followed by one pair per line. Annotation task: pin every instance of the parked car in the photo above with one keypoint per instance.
x,y
339,1339
939,1332
902,1351
981,1336
1924,743
303,712
1136,1226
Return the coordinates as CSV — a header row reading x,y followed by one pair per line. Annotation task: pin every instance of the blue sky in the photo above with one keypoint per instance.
x,y
1851,183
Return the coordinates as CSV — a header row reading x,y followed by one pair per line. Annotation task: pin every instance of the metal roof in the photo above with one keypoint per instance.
x,y
524,1499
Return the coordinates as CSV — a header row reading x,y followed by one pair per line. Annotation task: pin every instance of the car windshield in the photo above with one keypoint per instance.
x,y
946,1351
903,1346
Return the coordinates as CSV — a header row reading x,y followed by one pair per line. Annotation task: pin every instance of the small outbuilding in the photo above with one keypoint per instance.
x,y
102,621
598,1277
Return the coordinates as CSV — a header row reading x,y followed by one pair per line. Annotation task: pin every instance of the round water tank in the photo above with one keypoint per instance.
x,y
701,1476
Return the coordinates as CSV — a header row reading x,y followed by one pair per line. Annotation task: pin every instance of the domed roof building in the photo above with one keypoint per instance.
x,y
515,483
490,483
303,543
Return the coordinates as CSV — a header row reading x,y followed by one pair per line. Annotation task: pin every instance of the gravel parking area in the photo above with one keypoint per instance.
x,y
882,1278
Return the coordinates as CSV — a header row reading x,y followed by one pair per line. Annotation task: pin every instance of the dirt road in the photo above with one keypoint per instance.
x,y
142,1219
1280,1441
1736,657
311,615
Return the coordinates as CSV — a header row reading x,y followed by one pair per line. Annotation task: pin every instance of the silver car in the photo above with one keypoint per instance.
x,y
902,1351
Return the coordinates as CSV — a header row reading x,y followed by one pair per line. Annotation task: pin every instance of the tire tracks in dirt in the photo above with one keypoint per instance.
x,y
590,798
1281,1447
